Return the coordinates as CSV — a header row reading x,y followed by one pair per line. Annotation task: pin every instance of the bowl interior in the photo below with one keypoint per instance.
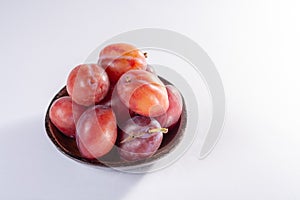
x,y
68,145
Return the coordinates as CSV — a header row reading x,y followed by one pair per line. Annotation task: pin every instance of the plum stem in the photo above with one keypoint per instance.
x,y
150,131
145,54
154,130
129,138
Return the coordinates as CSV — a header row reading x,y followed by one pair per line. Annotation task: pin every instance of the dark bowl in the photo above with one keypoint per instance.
x,y
68,145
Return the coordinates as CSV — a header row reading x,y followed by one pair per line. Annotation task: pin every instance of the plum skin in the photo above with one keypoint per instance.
x,y
175,107
143,93
87,84
141,147
96,132
119,58
64,113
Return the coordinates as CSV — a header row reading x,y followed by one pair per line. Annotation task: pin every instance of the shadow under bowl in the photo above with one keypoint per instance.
x,y
68,145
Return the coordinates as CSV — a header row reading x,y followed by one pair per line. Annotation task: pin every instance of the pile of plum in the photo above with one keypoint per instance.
x,y
118,101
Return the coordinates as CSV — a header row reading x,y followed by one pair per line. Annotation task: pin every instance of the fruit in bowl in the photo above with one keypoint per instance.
x,y
119,58
140,138
116,113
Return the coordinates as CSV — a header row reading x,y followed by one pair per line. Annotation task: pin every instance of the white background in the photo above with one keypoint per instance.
x,y
254,44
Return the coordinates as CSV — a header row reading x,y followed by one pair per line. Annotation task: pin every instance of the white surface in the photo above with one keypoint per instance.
x,y
255,46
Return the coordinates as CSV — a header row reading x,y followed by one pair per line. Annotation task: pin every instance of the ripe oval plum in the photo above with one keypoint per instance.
x,y
87,84
175,107
140,138
96,131
119,58
64,114
143,93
